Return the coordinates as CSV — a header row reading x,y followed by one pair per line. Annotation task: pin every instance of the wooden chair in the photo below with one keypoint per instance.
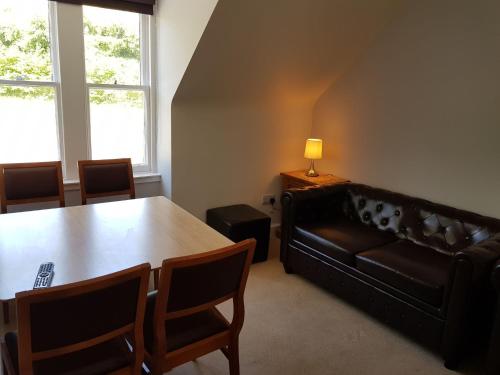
x,y
182,322
80,328
22,183
104,178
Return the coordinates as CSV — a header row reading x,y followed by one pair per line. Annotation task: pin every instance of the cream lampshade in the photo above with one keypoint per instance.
x,y
313,151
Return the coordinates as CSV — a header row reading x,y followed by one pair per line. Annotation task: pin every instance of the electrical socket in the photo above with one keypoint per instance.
x,y
268,199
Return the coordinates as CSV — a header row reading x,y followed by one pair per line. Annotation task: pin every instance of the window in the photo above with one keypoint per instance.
x,y
28,90
62,99
118,83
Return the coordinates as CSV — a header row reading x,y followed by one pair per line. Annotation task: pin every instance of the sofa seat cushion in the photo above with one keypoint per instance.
x,y
341,239
416,270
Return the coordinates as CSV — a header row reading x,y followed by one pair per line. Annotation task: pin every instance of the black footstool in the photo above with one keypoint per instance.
x,y
240,222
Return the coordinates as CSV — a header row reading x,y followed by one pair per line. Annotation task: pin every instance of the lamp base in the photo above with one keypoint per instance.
x,y
311,172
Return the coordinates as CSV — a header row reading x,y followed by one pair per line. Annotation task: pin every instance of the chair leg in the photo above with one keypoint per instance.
x,y
156,370
156,278
6,315
6,367
234,358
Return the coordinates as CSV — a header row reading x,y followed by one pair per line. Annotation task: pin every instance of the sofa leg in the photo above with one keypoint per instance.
x,y
287,268
453,352
451,363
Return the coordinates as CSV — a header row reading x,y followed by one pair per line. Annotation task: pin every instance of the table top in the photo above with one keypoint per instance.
x,y
322,179
89,241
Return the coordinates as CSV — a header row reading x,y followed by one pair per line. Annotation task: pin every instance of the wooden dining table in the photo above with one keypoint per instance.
x,y
89,241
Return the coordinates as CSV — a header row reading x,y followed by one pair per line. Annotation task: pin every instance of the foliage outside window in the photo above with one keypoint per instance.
x,y
29,83
27,91
113,53
25,53
113,57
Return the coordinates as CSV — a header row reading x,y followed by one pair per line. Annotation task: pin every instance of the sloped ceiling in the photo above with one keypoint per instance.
x,y
285,51
245,103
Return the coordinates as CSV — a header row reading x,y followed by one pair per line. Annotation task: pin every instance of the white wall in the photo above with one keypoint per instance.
x,y
243,109
420,112
226,155
180,24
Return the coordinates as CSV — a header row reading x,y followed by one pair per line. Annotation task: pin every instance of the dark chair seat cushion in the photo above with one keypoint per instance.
x,y
97,360
183,331
419,271
341,239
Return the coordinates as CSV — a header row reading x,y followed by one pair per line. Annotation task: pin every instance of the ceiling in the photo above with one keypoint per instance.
x,y
281,51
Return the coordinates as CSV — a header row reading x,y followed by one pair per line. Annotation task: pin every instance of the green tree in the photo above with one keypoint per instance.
x,y
25,55
114,41
9,36
38,42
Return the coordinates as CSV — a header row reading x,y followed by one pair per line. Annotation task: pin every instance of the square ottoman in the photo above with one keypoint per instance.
x,y
240,222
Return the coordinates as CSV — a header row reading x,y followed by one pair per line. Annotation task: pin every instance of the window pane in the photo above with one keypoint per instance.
x,y
28,124
24,40
112,46
117,124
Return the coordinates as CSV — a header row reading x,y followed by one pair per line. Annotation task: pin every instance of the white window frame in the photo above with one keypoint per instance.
x,y
56,77
145,31
67,135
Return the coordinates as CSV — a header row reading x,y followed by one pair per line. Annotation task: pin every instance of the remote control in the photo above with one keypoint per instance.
x,y
44,276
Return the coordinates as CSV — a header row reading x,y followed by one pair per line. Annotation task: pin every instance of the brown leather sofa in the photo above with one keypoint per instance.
x,y
421,267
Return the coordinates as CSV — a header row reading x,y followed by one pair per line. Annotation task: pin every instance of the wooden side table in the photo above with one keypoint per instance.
x,y
298,179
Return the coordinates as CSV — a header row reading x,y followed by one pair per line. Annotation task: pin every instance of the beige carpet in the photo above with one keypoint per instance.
x,y
292,327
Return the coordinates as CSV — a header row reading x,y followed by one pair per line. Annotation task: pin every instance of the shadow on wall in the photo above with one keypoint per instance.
x,y
244,107
233,155
419,113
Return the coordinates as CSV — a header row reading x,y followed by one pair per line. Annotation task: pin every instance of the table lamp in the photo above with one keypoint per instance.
x,y
313,151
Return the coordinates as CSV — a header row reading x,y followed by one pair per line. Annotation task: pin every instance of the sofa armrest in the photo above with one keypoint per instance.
x,y
314,192
469,298
495,276
307,205
314,202
482,256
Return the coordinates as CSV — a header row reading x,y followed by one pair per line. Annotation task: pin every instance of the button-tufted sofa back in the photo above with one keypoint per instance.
x,y
443,228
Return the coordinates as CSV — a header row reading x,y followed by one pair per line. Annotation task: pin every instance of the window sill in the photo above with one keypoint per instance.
x,y
139,178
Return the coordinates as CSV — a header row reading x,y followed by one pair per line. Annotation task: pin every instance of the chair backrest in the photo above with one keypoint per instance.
x,y
65,319
199,282
22,183
103,178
